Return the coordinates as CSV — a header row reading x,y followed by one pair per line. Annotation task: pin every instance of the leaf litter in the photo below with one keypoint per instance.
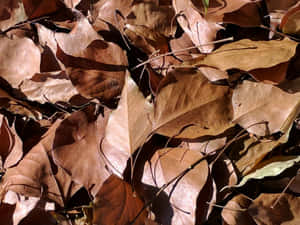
x,y
145,112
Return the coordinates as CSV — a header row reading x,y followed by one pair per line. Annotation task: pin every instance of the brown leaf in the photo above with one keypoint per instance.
x,y
267,110
193,104
11,148
264,210
182,194
37,175
116,203
235,211
191,21
11,13
18,50
106,10
154,16
99,71
290,21
76,149
128,126
248,55
35,8
56,87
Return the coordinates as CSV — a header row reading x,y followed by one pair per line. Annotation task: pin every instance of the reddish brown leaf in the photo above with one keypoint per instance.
x,y
116,203
11,148
37,8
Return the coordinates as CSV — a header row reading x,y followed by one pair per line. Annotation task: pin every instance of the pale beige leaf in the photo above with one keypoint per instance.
x,y
22,50
248,55
264,109
52,90
191,102
129,125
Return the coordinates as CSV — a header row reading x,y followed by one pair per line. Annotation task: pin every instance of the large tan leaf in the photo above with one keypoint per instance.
x,y
128,126
165,165
248,55
37,175
76,148
116,203
24,53
264,109
190,101
55,87
264,211
11,148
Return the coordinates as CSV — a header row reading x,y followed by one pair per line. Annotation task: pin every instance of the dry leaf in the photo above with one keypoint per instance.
x,y
128,126
190,106
21,50
11,13
157,17
182,194
248,55
55,87
36,175
77,139
290,21
116,203
266,110
264,211
235,211
36,9
11,148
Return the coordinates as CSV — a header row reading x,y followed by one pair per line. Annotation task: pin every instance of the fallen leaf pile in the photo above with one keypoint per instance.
x,y
149,112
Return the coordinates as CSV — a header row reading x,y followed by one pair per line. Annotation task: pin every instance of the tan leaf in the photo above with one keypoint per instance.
x,y
55,88
76,148
18,50
290,21
36,174
165,165
128,126
193,103
264,210
117,204
11,148
248,55
266,110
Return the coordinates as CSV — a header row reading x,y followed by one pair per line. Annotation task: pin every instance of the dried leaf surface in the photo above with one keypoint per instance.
x,y
191,102
11,148
248,55
165,165
77,139
267,110
54,88
128,126
264,210
36,174
116,203
18,50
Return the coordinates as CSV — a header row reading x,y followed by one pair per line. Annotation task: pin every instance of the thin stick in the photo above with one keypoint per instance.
x,y
227,208
284,190
182,50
